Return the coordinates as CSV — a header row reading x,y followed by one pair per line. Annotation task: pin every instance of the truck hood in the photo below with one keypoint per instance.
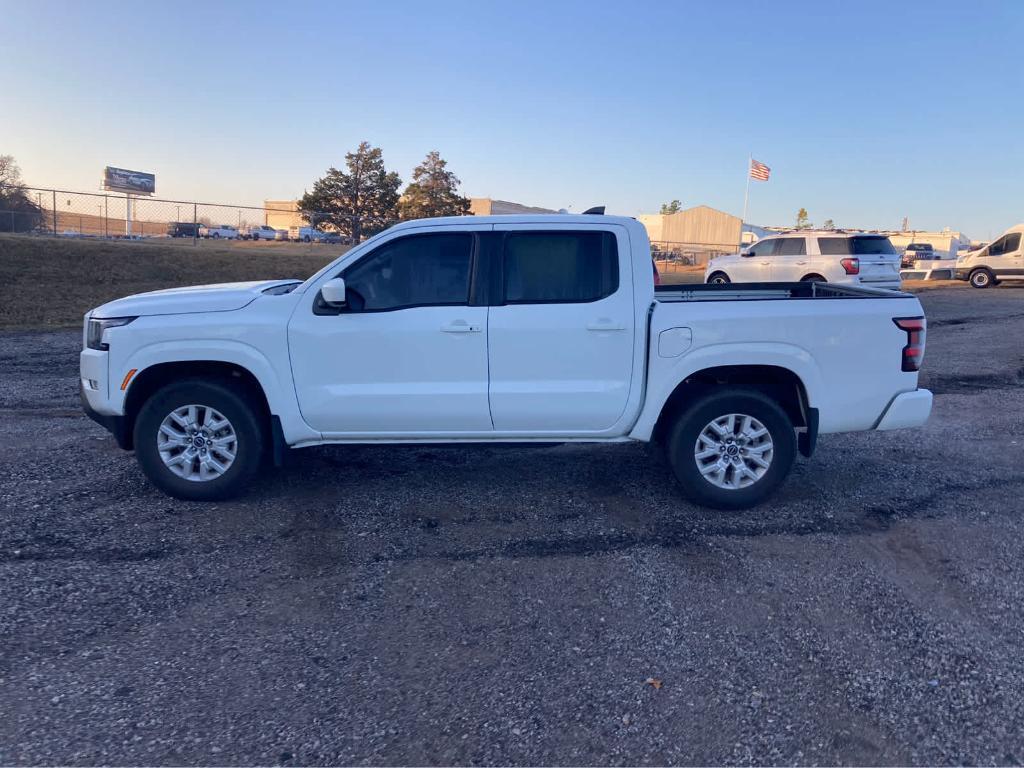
x,y
222,297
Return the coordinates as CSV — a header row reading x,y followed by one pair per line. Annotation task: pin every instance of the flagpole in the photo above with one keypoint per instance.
x,y
746,195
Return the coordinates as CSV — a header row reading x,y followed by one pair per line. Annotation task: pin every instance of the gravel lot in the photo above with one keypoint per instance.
x,y
499,605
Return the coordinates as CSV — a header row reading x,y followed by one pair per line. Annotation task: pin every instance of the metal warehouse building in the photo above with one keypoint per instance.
x,y
695,234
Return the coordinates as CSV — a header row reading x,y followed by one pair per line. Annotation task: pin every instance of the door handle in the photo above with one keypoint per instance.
x,y
765,263
460,326
800,263
605,324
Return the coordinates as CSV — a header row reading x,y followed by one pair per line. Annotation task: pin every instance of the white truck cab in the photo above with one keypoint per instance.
x,y
1002,259
532,328
826,256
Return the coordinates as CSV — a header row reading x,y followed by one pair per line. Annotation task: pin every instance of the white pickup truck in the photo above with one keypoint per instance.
x,y
525,328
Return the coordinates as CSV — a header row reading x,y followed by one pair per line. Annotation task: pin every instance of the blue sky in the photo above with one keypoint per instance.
x,y
866,112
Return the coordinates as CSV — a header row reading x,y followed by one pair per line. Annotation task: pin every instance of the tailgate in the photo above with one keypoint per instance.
x,y
879,268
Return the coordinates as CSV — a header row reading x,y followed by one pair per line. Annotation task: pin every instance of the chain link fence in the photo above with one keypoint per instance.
x,y
63,213
673,255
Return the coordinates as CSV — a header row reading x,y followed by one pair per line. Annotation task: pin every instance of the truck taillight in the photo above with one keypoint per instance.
x,y
913,353
852,266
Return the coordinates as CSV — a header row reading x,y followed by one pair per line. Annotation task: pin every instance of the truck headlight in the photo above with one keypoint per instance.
x,y
96,327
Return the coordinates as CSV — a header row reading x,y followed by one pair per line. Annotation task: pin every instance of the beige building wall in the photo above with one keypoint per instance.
x,y
653,224
701,225
486,206
282,214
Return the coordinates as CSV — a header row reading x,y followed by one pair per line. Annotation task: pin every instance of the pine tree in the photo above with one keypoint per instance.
x,y
433,191
360,201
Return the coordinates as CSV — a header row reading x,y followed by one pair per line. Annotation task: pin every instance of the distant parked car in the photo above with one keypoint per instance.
x,y
183,229
336,238
813,257
306,235
917,251
261,232
225,231
281,235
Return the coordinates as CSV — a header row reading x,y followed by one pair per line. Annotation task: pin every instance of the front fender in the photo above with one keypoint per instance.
x,y
275,380
668,373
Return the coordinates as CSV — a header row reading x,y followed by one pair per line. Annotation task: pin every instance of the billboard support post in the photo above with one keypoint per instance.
x,y
106,217
55,213
195,224
136,183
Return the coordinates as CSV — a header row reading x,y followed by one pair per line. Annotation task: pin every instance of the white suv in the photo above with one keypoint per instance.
x,y
832,257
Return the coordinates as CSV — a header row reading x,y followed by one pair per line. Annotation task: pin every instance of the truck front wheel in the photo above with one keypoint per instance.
x,y
199,440
719,278
732,448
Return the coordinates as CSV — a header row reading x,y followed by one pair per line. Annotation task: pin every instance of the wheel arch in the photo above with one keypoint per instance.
x,y
780,384
152,378
782,371
162,362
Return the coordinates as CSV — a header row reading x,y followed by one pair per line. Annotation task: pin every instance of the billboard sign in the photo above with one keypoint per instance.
x,y
129,182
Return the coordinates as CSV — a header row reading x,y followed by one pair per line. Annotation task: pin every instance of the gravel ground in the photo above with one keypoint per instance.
x,y
499,605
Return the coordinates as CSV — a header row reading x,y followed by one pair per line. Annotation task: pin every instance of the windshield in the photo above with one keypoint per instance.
x,y
861,245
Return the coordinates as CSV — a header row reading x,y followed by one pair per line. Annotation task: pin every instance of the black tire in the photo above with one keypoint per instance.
x,y
719,278
693,420
234,406
982,278
813,279
305,239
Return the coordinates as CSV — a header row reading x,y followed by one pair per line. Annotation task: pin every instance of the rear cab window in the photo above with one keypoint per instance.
x,y
559,267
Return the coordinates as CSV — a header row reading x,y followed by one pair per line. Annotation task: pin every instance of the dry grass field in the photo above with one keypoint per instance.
x,y
50,282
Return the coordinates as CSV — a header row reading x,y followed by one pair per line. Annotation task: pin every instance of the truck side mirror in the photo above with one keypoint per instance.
x,y
333,292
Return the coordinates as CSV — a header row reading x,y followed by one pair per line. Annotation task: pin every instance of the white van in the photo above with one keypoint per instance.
x,y
1000,260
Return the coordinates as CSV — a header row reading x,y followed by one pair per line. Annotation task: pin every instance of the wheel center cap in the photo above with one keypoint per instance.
x,y
198,442
732,450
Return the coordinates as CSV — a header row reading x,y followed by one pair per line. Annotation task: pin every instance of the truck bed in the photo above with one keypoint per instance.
x,y
763,291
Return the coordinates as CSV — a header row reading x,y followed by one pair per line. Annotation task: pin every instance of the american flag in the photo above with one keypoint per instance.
x,y
759,170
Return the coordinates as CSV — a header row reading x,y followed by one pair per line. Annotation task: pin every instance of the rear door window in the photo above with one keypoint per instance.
x,y
559,267
792,246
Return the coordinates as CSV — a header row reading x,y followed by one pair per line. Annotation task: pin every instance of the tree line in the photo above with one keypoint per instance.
x,y
363,198
18,212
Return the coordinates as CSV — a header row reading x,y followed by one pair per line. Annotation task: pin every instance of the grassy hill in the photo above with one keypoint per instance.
x,y
50,282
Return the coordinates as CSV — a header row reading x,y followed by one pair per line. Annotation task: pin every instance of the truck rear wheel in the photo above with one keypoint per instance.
x,y
199,440
719,278
732,448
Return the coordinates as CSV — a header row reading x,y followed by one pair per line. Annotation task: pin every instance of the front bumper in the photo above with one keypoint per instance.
x,y
908,409
115,425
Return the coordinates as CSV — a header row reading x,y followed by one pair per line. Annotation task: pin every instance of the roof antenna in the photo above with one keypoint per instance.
x,y
597,210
